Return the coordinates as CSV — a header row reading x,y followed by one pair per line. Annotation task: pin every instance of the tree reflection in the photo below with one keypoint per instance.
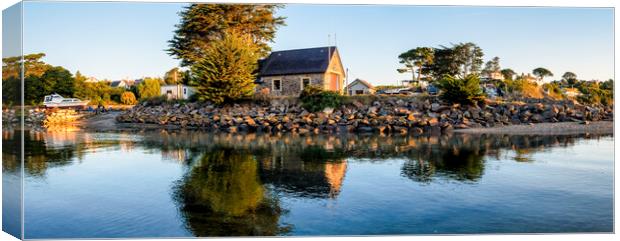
x,y
222,196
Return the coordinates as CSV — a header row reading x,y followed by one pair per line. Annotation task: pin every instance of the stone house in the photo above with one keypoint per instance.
x,y
360,87
286,73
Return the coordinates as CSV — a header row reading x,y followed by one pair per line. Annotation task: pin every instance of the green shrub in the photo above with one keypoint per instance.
x,y
592,94
262,96
464,91
314,98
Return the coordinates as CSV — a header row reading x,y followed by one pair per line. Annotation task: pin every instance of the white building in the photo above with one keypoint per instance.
x,y
360,87
177,91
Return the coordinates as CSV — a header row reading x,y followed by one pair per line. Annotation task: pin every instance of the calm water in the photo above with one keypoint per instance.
x,y
174,184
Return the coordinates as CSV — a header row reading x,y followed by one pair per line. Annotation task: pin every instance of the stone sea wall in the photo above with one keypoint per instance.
x,y
385,115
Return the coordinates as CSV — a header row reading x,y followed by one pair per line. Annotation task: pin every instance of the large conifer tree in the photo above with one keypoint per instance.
x,y
202,24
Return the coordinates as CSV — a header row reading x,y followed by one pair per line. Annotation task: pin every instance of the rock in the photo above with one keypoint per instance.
x,y
303,131
433,122
364,129
435,107
328,110
400,129
417,131
447,128
538,118
411,117
358,104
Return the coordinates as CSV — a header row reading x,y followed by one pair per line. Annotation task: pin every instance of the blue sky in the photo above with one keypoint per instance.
x,y
118,40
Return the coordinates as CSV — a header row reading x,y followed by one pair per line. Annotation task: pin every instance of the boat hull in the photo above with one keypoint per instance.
x,y
66,105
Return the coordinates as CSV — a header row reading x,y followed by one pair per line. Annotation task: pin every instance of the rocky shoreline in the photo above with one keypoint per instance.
x,y
385,115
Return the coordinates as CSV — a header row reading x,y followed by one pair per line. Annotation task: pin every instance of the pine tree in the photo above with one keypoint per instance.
x,y
226,72
203,24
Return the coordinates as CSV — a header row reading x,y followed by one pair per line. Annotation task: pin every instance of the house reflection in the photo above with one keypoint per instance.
x,y
314,179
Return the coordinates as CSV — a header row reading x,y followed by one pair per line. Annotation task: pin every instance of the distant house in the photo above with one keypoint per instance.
x,y
182,92
572,92
360,87
492,76
414,83
91,80
286,73
119,84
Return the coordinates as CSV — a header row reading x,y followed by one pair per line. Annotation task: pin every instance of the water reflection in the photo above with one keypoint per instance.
x,y
312,166
233,184
223,196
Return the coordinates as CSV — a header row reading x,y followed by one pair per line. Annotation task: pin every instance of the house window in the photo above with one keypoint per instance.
x,y
305,82
168,92
276,84
359,92
184,91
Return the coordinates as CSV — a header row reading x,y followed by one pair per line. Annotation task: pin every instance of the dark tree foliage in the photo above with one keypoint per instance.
x,y
444,63
32,65
54,80
508,74
202,24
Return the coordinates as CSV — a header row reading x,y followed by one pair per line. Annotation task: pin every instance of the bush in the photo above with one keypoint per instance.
x,y
464,91
262,96
592,94
314,98
149,88
128,98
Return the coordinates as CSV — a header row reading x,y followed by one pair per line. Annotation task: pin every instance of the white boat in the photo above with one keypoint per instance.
x,y
56,100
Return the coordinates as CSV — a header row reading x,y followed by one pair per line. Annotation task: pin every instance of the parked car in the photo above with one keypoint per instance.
x,y
432,90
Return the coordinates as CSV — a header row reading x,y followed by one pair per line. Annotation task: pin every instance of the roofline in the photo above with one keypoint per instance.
x,y
305,49
283,74
362,82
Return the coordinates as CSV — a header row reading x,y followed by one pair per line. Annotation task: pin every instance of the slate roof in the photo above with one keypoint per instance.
x,y
296,61
116,83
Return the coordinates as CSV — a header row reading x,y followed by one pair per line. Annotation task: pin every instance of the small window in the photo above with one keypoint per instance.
x,y
305,82
169,92
359,92
276,84
184,91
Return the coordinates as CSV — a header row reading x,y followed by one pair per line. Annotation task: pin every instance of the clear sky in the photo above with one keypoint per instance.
x,y
118,40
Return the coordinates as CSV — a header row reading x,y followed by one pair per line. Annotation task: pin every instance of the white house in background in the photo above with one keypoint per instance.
x,y
572,92
119,84
497,75
360,87
182,92
414,83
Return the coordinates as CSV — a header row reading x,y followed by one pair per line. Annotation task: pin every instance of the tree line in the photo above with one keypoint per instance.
x,y
41,79
456,69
